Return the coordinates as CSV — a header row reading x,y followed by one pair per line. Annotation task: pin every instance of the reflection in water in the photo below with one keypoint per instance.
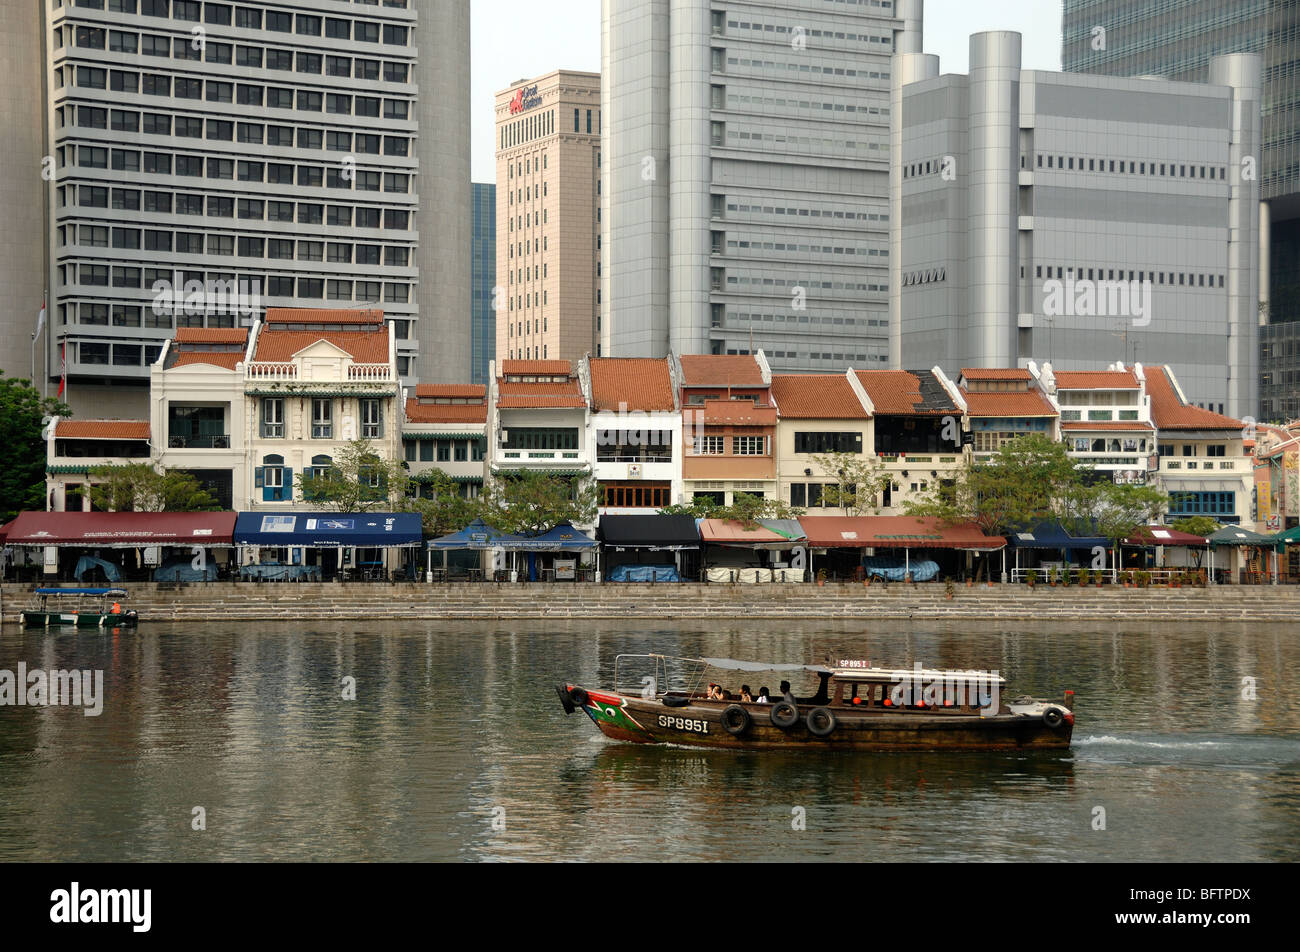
x,y
456,748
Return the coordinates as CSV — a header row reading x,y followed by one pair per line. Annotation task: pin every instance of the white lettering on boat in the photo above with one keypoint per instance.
x,y
684,724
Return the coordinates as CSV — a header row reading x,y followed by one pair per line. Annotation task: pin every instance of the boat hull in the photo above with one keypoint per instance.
x,y
33,619
699,723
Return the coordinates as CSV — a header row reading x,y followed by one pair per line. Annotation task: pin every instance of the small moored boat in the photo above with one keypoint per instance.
x,y
78,608
854,707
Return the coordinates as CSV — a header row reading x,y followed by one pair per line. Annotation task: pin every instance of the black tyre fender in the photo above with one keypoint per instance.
x,y
579,697
675,700
735,719
1053,717
821,721
784,715
565,701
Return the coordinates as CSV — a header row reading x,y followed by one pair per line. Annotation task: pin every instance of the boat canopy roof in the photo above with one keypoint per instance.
x,y
117,592
895,675
730,664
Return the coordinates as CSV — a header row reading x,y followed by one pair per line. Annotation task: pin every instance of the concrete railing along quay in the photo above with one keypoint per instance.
x,y
226,601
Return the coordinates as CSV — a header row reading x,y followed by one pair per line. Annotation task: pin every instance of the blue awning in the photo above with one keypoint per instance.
x,y
477,535
563,538
328,529
1050,535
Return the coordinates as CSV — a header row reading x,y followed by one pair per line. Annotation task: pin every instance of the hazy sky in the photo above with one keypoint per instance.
x,y
514,39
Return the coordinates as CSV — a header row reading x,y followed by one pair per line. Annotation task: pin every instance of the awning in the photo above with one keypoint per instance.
x,y
730,664
328,529
1163,535
477,535
1235,535
894,532
730,532
563,538
1051,535
122,530
653,532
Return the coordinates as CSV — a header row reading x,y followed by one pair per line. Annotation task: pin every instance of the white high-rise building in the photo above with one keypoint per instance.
x,y
296,153
745,177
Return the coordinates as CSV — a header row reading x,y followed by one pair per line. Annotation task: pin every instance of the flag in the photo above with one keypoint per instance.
x,y
40,321
63,368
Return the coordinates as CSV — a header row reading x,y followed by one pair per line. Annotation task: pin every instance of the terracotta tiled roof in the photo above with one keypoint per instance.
x,y
1008,404
994,373
513,396
1171,413
899,392
1130,425
816,397
542,368
730,413
211,335
456,390
323,315
103,429
417,412
1096,380
366,347
634,383
710,370
224,359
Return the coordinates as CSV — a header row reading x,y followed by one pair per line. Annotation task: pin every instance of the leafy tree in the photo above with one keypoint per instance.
x,y
531,502
141,488
1197,525
23,413
444,510
860,480
360,480
1016,487
746,508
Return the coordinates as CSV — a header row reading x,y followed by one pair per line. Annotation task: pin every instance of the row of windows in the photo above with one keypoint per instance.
x,y
793,67
444,451
721,317
100,354
740,445
224,206
245,94
272,418
1207,504
1085,444
718,348
519,328
747,244
1129,166
755,281
248,57
815,108
248,18
530,353
818,144
812,212
274,286
781,30
1098,416
636,495
815,442
245,246
1185,279
344,177
522,274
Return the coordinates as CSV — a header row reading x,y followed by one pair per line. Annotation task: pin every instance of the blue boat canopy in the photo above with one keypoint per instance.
x,y
477,535
119,592
329,529
1051,535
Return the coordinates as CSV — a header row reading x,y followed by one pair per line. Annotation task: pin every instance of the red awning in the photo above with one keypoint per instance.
x,y
732,532
122,529
894,532
1163,535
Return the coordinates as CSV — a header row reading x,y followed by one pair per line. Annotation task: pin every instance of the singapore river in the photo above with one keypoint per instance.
x,y
1187,748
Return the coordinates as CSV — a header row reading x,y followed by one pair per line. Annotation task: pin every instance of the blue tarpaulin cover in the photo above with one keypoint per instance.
x,y
183,570
86,564
643,573
318,529
888,567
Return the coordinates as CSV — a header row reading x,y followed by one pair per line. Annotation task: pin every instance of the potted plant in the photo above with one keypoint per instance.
x,y
1053,577
1031,577
948,588
969,581
1084,576
1129,581
1099,577
1143,578
821,577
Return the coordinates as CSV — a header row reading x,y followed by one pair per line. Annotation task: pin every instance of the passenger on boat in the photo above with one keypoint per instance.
x,y
763,696
785,692
116,609
745,694
715,692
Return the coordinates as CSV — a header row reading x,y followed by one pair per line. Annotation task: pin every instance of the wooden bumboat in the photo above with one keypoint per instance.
x,y
855,707
78,608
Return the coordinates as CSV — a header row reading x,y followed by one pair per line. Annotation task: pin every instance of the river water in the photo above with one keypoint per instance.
x,y
456,748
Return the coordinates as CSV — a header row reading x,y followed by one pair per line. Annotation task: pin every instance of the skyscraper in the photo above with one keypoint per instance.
x,y
745,178
211,159
1077,219
483,269
548,190
1142,37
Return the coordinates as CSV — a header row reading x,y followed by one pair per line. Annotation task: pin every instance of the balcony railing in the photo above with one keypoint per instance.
x,y
1216,465
271,372
369,372
216,441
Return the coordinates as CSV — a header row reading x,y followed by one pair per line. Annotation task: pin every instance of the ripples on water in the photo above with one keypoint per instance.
x,y
456,731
